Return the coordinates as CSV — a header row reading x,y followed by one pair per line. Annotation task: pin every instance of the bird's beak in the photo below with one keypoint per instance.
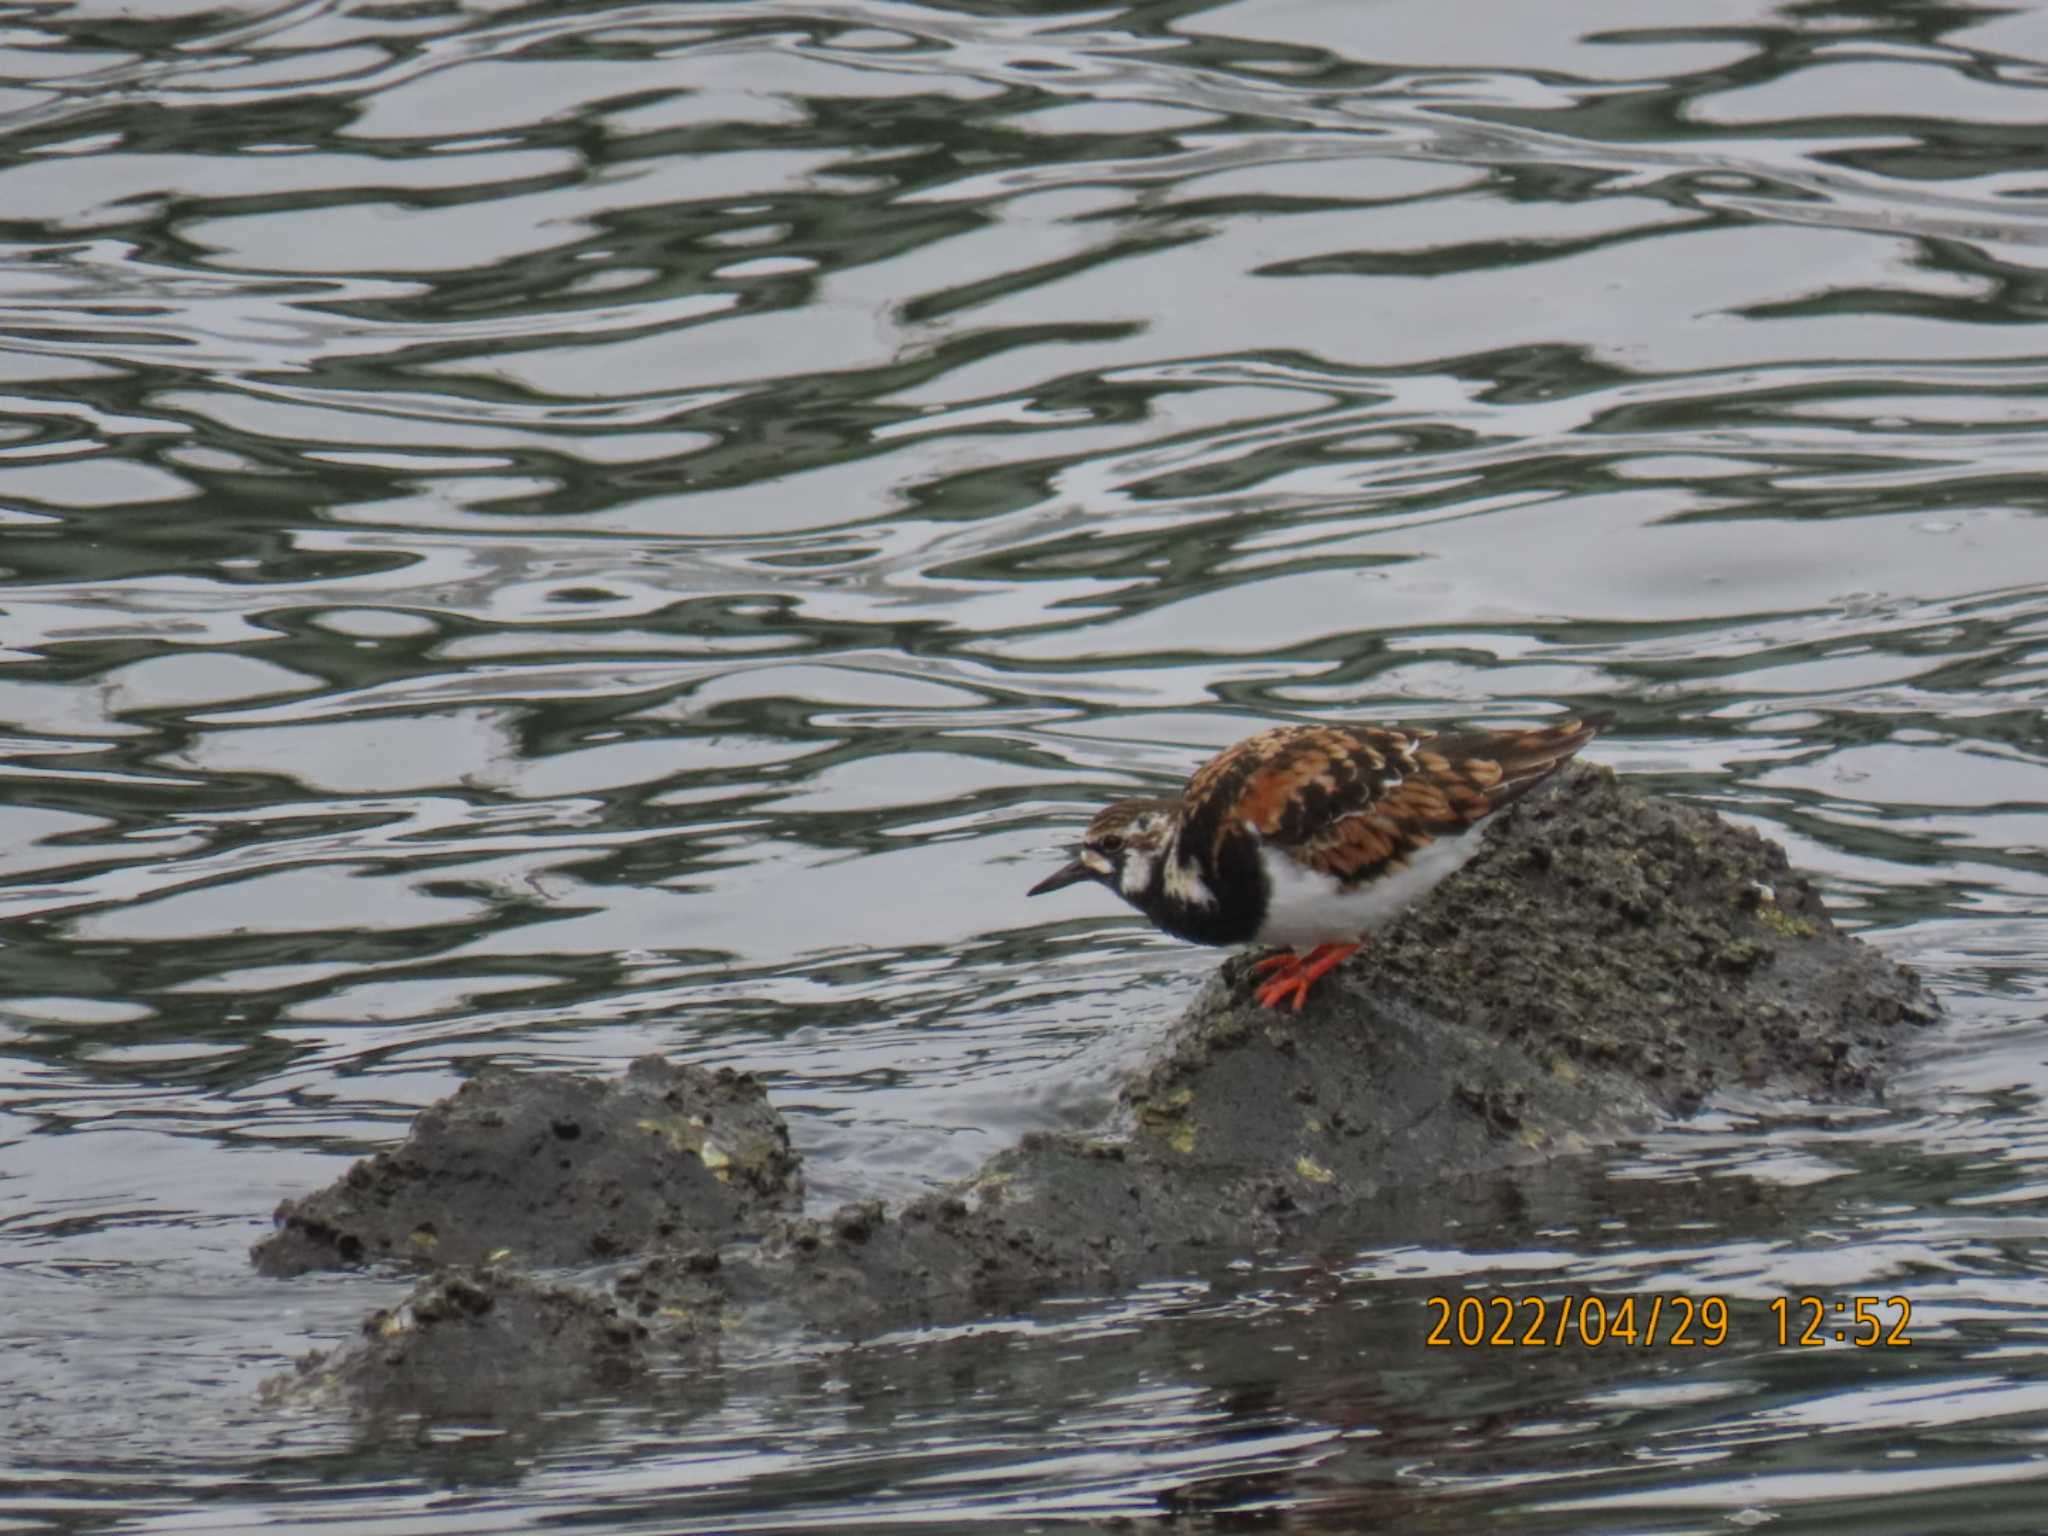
x,y
1071,875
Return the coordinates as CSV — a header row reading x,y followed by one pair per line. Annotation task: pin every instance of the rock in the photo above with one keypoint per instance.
x,y
554,1170
474,1343
1609,959
1654,944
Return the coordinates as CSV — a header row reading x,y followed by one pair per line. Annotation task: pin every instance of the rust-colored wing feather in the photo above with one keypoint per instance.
x,y
1356,800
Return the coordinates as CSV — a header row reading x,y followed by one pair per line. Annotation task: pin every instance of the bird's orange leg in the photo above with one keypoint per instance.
x,y
1294,974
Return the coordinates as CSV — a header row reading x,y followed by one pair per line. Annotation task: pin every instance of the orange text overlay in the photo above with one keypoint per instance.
x,y
1678,1321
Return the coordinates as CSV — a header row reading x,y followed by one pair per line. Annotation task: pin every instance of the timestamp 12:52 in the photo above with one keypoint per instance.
x,y
1865,1321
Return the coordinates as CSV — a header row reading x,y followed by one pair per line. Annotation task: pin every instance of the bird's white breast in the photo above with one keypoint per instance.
x,y
1305,906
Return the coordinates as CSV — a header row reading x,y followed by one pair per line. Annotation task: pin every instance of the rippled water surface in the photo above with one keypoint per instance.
x,y
548,532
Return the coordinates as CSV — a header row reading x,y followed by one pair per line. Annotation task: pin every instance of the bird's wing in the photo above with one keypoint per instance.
x,y
1353,800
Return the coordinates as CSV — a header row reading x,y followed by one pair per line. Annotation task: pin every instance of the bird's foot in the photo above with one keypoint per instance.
x,y
1294,974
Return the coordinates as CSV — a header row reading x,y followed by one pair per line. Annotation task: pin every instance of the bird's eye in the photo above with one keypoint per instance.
x,y
1111,844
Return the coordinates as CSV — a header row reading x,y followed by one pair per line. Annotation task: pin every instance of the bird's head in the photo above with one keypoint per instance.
x,y
1121,848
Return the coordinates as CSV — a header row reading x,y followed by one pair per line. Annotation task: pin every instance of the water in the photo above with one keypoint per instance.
x,y
547,533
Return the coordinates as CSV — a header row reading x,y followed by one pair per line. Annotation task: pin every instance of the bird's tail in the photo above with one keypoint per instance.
x,y
1536,754
1505,765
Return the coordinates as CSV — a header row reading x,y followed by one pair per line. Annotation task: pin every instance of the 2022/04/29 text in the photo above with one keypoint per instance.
x,y
1677,1321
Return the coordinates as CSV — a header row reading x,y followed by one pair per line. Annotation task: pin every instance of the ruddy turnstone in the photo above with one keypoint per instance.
x,y
1309,837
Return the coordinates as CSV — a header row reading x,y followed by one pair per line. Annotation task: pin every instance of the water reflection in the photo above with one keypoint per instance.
x,y
546,533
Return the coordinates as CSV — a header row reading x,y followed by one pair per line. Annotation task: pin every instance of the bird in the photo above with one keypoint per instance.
x,y
1308,838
